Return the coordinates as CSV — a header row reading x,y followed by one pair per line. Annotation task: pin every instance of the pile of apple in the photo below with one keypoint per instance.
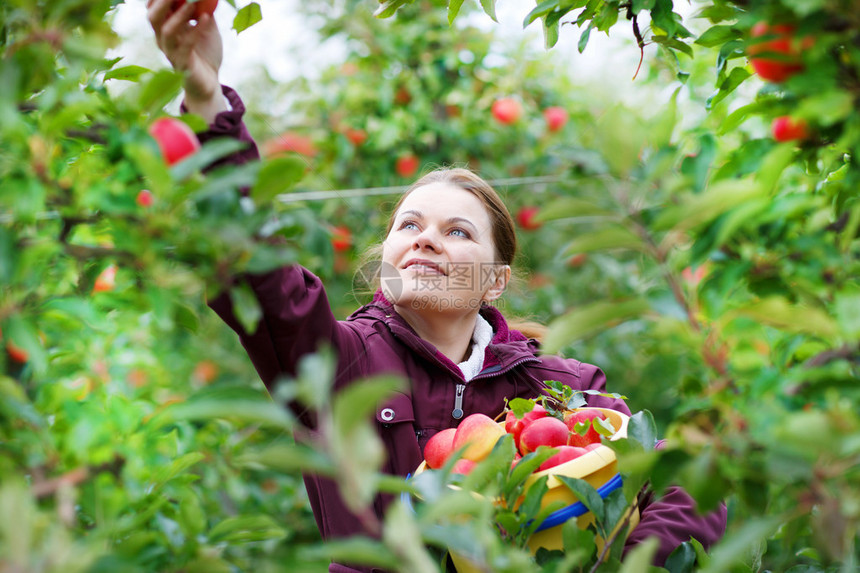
x,y
573,434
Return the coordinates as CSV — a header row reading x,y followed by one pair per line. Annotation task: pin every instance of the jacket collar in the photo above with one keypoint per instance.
x,y
506,348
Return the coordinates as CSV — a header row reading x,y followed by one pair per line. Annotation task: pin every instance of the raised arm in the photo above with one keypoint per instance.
x,y
193,48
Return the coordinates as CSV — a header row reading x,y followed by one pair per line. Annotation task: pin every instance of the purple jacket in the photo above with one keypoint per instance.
x,y
376,340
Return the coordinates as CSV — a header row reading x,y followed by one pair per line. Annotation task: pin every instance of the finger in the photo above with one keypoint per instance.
x,y
157,12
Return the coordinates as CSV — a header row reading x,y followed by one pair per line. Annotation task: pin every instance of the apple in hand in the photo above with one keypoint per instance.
x,y
507,110
584,417
786,128
556,117
439,448
175,139
546,431
478,433
200,7
565,454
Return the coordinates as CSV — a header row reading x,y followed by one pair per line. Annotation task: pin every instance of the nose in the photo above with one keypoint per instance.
x,y
429,240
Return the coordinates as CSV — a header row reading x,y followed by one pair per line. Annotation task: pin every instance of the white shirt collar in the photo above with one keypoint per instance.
x,y
481,337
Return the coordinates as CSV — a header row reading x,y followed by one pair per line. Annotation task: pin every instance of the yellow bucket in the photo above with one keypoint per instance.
x,y
598,467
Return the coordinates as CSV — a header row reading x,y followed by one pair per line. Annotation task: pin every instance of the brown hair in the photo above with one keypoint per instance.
x,y
504,231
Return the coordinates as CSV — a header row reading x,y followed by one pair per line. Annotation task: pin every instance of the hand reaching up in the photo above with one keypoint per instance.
x,y
194,49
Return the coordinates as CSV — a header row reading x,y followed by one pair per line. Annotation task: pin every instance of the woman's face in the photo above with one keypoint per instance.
x,y
440,255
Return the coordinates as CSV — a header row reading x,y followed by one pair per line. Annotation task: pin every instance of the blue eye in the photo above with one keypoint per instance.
x,y
461,232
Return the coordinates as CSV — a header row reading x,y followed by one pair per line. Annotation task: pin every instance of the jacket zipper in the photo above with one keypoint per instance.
x,y
507,368
457,413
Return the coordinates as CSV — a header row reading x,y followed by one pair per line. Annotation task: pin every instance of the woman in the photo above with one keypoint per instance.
x,y
445,259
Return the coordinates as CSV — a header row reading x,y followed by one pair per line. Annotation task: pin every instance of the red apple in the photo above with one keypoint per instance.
x,y
144,198
439,448
777,56
583,418
290,142
341,239
785,128
356,136
15,352
526,216
402,96
507,110
462,466
555,117
514,425
478,433
565,454
200,7
547,431
106,280
407,165
175,139
577,260
205,371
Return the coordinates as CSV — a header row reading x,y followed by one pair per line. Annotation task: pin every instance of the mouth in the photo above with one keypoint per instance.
x,y
424,266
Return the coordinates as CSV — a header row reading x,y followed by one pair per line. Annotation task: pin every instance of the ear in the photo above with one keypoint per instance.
x,y
502,276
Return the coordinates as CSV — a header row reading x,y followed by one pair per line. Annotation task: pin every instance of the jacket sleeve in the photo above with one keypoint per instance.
x,y
673,519
296,317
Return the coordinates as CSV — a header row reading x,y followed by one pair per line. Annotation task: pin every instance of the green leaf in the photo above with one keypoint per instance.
x,y
355,549
735,546
232,402
489,7
587,494
736,77
287,458
614,237
590,319
570,208
246,307
583,39
247,16
401,531
539,11
178,466
389,7
353,405
740,115
846,307
246,529
778,312
640,557
210,152
130,73
716,35
704,207
277,176
550,34
159,90
453,9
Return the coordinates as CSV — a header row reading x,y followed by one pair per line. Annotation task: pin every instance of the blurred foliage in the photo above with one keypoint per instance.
x,y
711,271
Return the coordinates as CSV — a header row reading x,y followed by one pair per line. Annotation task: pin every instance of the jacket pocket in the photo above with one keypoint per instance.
x,y
397,410
396,427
